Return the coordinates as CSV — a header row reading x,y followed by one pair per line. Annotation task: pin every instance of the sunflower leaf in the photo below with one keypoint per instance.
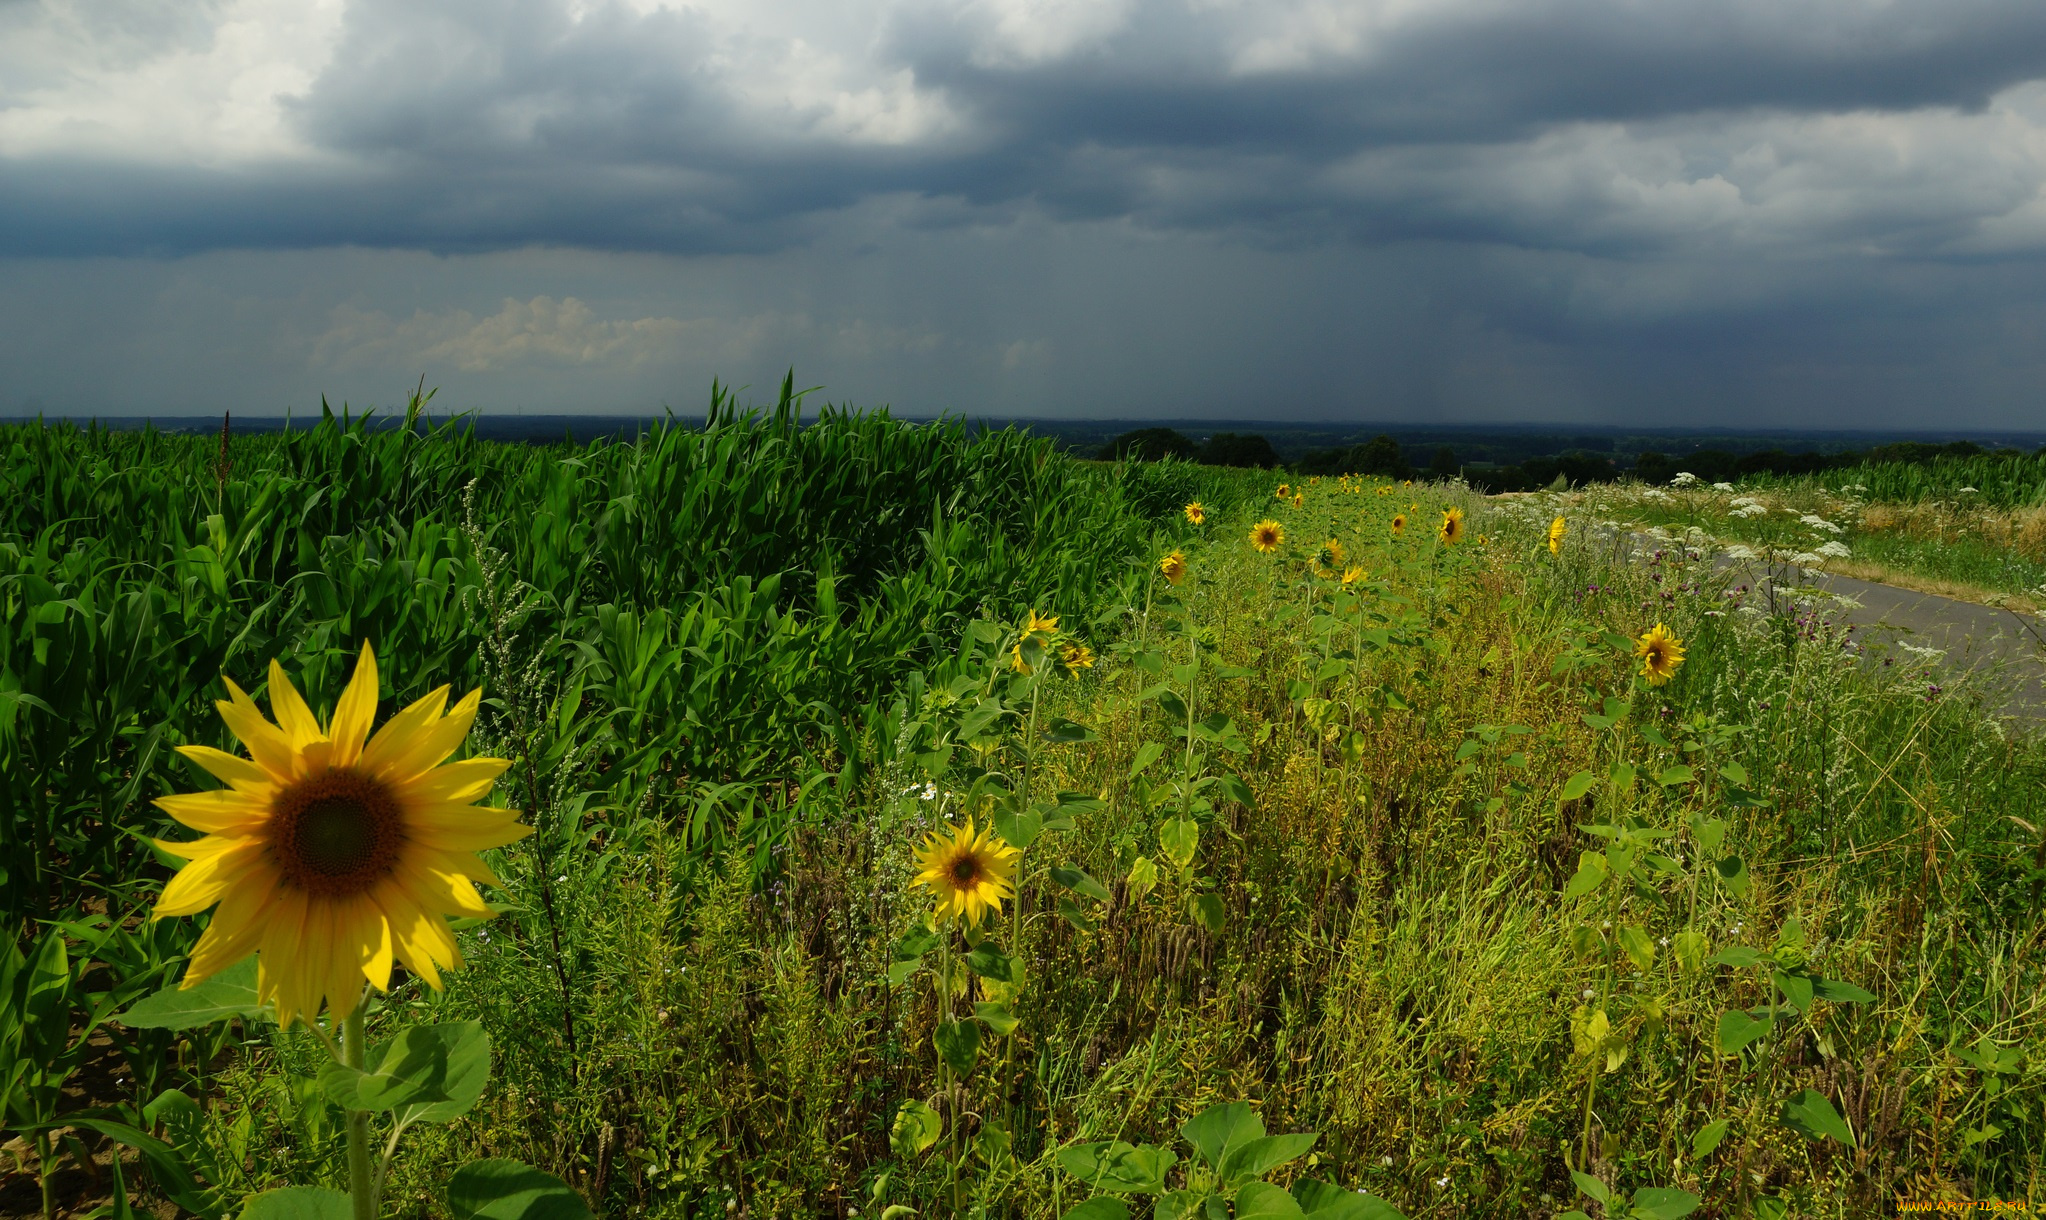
x,y
916,1127
299,1203
958,1044
229,994
410,1070
1077,880
497,1189
467,1049
989,962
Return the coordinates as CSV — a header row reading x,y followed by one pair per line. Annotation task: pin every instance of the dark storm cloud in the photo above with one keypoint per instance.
x,y
1593,125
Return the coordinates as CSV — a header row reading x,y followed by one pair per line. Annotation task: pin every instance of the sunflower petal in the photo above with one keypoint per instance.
x,y
458,782
450,892
266,743
450,833
236,930
293,716
420,938
215,812
372,939
353,714
207,879
397,734
229,768
423,745
459,864
282,957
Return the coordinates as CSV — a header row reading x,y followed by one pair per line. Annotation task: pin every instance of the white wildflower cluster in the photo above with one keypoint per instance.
x,y
1820,523
1685,479
1806,559
1654,493
1835,550
1748,506
1722,487
1738,551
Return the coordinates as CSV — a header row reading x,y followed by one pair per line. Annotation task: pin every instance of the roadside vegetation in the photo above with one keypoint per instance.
x,y
927,821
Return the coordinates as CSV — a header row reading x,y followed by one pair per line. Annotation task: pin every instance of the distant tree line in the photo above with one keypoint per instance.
x,y
1221,449
1384,456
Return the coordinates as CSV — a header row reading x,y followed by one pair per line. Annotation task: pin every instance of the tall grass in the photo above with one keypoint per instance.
x,y
2005,482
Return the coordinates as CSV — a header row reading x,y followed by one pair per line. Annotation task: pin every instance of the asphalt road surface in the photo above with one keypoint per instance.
x,y
2005,651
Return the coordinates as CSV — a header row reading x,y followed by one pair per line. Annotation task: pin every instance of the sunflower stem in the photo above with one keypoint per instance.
x,y
361,1188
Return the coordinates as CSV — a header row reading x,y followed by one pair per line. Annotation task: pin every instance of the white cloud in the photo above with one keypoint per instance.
x,y
201,90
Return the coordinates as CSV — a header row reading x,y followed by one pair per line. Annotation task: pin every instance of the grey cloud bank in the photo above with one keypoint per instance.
x,y
1716,212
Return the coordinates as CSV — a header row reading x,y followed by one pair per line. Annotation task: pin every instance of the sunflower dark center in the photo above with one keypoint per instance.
x,y
965,870
336,834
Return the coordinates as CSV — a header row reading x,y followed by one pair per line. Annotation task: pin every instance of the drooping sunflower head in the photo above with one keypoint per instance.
x,y
1452,526
1399,524
1660,654
1329,559
971,872
1267,535
1196,514
1298,499
1173,567
332,854
1075,656
1036,633
1353,574
1557,529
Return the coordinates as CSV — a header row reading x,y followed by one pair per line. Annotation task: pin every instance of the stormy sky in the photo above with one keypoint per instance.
x,y
1794,213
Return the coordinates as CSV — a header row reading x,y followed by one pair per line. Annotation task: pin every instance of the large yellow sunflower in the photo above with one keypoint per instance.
x,y
1173,567
1267,535
1557,529
1660,654
970,871
333,854
1353,574
1452,525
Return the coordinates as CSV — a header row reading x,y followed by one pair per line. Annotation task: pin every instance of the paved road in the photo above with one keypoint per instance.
x,y
2006,649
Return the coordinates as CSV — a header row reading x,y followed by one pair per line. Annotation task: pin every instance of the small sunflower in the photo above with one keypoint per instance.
x,y
970,871
1399,524
1452,526
1557,529
1075,656
1285,489
1196,514
1173,567
332,854
1039,627
1353,574
1660,654
1267,535
1329,559
1298,499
